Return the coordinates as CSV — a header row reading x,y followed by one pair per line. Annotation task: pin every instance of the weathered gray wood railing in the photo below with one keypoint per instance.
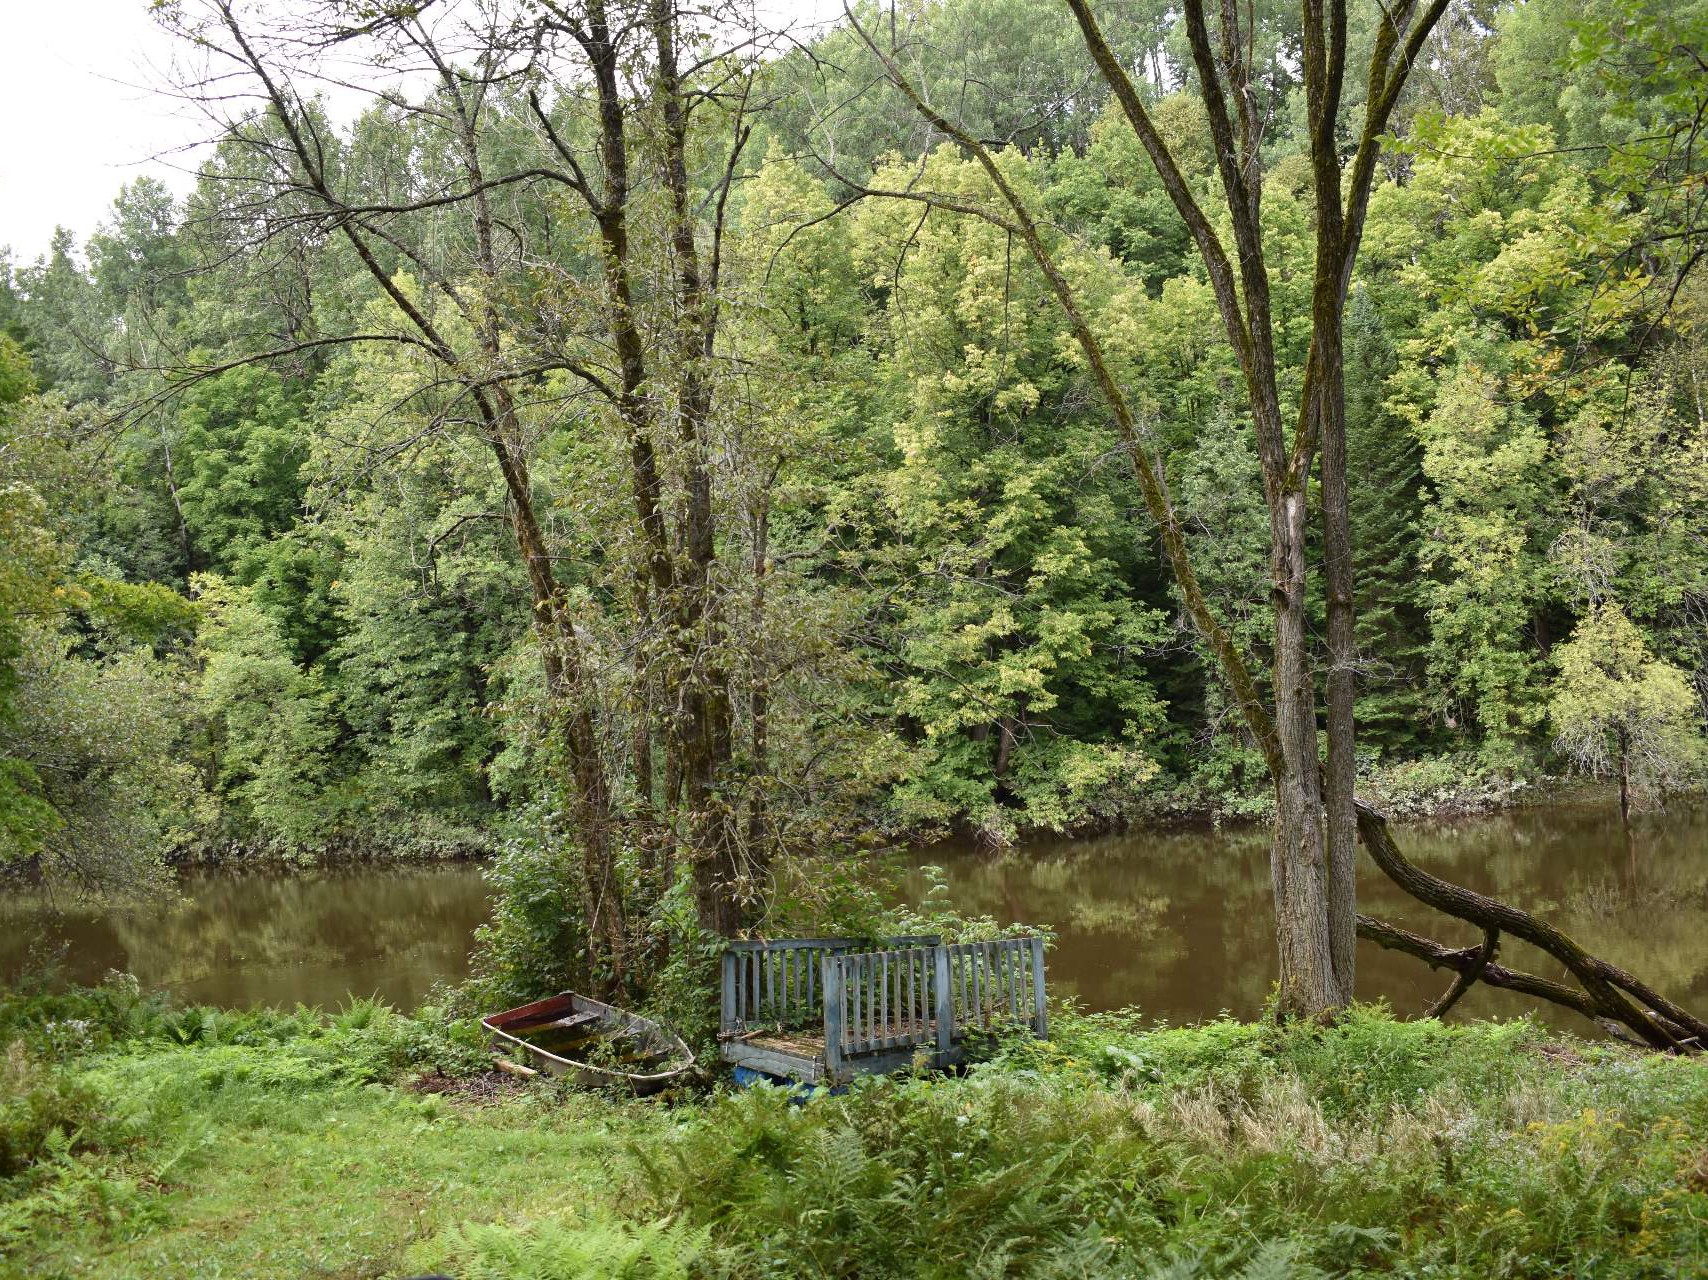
x,y
778,984
874,1009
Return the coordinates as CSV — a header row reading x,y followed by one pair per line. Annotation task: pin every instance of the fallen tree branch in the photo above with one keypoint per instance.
x,y
1466,977
1663,1025
1438,955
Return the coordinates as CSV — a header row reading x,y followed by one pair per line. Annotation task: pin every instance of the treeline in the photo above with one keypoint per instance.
x,y
799,495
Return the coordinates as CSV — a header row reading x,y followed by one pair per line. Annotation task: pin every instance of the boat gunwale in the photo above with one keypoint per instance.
x,y
627,1021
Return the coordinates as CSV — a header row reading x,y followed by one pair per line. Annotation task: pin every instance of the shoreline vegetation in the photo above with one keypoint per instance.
x,y
302,599
1424,790
141,1139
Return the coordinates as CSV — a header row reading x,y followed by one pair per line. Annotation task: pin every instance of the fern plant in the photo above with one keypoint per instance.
x,y
597,1248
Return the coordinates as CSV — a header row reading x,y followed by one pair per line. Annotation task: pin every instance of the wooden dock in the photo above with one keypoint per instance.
x,y
823,1010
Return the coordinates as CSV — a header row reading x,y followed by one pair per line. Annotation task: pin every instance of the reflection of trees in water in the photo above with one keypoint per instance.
x,y
348,923
1180,923
1165,921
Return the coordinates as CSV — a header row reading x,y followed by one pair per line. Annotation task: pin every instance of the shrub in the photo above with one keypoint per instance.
x,y
1458,783
365,1041
82,1019
534,940
41,1111
1229,1150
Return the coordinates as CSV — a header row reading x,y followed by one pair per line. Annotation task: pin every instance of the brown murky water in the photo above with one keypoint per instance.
x,y
1176,923
1180,924
253,938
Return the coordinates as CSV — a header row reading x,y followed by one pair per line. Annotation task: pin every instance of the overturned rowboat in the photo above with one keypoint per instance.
x,y
589,1042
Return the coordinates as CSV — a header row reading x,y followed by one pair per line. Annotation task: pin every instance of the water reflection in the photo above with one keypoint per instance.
x,y
1180,923
259,938
1177,923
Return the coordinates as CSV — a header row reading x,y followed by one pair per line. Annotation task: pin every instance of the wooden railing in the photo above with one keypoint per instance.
x,y
878,1001
876,1005
778,984
997,982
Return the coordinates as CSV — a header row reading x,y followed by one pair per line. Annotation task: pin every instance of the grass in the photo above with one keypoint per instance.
x,y
270,1144
277,1144
246,1175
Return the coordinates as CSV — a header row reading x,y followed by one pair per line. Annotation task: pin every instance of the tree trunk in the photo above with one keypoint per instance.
x,y
1323,416
707,722
603,903
1340,775
1625,781
759,691
1298,862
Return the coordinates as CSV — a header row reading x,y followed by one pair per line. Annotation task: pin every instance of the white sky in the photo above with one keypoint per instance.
x,y
78,117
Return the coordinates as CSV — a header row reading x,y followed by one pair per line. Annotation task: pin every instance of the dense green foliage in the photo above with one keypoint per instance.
x,y
142,1139
276,607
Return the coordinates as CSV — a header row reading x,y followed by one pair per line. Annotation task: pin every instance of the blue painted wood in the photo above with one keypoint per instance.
x,y
1040,1011
912,1002
987,984
869,990
944,998
773,1061
834,944
1011,984
1010,997
887,965
874,996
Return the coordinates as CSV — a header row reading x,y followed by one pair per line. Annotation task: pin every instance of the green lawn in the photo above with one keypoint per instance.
x,y
241,1171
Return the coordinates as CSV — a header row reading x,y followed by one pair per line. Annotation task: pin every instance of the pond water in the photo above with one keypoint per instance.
x,y
1178,923
256,938
1181,923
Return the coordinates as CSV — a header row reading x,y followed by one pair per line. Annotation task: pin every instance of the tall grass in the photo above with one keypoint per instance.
x,y
282,1143
1373,1147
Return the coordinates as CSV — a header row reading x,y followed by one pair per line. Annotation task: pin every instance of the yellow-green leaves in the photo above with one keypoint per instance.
x,y
1483,458
1617,708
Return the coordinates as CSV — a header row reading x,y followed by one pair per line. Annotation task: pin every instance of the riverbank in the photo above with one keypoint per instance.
x,y
1426,788
141,1141
1422,789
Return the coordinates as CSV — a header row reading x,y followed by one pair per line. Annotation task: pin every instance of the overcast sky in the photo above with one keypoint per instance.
x,y
78,118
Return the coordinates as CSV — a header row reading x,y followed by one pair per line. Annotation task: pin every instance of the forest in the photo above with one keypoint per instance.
x,y
725,485
675,456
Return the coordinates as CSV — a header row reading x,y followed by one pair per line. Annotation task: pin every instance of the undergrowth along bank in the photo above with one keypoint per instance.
x,y
141,1139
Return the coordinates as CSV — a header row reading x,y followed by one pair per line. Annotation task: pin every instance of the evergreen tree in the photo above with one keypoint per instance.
x,y
1385,461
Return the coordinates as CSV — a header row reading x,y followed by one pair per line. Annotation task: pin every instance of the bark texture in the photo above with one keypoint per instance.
x,y
676,523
